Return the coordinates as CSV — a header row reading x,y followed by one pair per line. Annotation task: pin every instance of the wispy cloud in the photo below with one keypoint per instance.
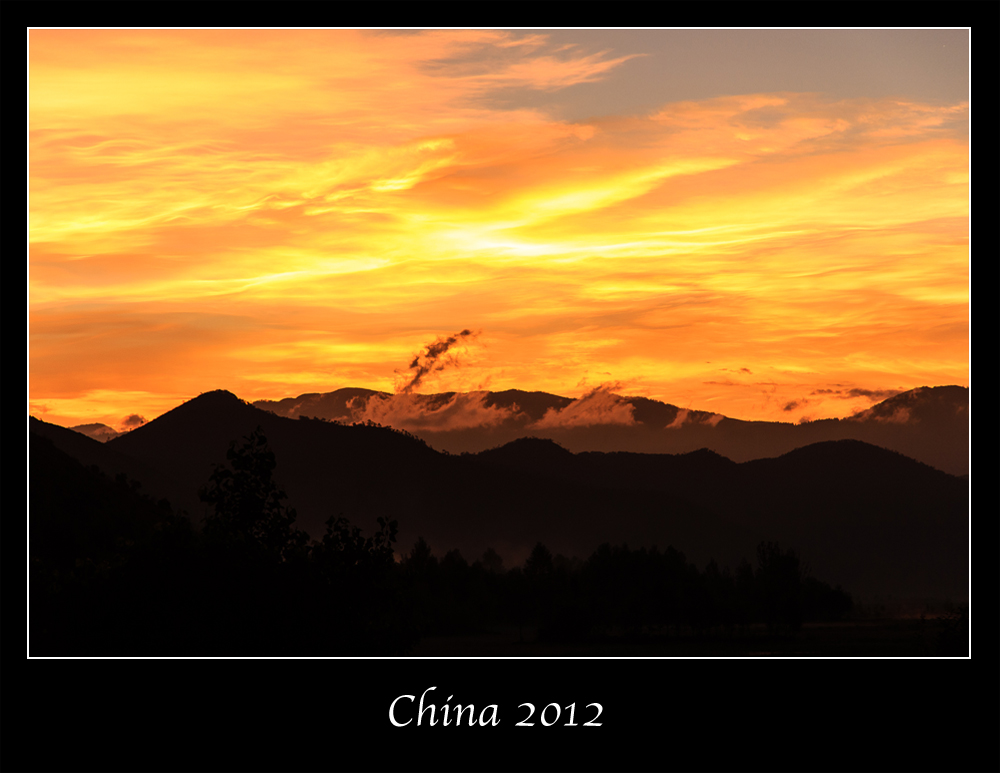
x,y
435,357
416,413
281,211
598,406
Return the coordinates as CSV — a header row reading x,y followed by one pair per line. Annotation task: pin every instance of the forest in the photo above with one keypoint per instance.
x,y
114,573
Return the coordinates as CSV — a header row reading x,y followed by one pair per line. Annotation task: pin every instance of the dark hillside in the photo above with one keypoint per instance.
x,y
89,452
869,519
930,424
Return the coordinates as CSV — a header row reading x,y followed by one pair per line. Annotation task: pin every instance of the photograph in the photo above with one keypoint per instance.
x,y
498,343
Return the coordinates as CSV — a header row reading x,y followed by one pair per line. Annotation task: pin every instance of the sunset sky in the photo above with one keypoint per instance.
x,y
763,224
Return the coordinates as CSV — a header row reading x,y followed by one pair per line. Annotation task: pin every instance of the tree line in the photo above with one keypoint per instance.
x,y
113,573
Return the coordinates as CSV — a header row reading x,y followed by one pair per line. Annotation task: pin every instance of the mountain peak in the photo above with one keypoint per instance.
x,y
218,400
528,451
216,397
100,432
935,404
219,408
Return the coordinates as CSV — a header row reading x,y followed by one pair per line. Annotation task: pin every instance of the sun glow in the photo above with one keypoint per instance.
x,y
282,211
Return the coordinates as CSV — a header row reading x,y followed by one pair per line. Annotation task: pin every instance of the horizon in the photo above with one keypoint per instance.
x,y
134,421
768,225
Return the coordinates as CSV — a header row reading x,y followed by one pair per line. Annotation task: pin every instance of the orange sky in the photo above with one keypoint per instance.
x,y
279,212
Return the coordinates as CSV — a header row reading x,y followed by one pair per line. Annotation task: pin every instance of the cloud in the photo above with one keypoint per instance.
x,y
900,415
419,178
599,406
132,421
415,413
679,419
686,417
875,395
893,411
433,359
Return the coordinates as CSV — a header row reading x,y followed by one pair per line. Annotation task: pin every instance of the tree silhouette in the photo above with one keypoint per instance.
x,y
344,549
539,563
492,562
779,581
249,507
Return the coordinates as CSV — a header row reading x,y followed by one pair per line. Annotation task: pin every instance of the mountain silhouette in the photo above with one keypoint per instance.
x,y
930,424
867,518
111,462
101,432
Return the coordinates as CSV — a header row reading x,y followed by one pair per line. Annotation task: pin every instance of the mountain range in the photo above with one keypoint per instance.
x,y
864,516
929,424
